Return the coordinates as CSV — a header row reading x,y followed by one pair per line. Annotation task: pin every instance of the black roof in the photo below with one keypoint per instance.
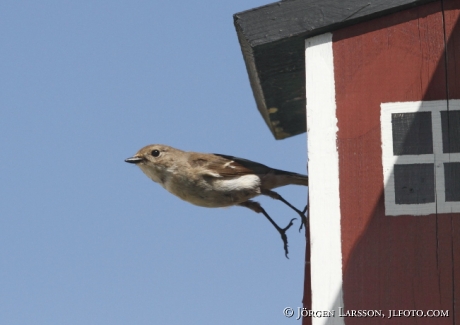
x,y
272,40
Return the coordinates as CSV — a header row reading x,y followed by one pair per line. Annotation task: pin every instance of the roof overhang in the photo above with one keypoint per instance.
x,y
272,41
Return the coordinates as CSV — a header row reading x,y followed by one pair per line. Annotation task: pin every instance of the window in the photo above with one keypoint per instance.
x,y
421,157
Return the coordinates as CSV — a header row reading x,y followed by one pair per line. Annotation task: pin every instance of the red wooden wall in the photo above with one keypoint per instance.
x,y
403,262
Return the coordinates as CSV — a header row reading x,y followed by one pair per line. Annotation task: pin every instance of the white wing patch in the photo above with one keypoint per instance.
x,y
241,183
213,174
229,164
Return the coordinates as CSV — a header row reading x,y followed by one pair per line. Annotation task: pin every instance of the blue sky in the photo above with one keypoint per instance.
x,y
86,238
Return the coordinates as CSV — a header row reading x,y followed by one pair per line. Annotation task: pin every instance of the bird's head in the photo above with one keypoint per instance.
x,y
155,160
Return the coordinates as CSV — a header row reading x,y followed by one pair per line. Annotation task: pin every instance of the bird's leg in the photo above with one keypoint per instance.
x,y
256,207
276,196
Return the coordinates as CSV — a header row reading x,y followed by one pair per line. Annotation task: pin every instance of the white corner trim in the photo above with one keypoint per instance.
x,y
323,172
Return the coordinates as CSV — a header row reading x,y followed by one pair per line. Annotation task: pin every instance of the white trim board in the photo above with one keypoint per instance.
x,y
323,172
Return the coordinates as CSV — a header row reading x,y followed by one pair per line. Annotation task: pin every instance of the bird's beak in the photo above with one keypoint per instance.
x,y
134,160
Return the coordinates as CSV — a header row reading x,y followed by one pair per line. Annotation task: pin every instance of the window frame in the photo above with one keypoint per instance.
x,y
438,157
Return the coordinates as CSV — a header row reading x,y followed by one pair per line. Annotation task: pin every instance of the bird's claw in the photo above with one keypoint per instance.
x,y
284,237
304,218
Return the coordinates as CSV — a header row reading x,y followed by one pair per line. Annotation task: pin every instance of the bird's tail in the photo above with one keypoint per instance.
x,y
283,178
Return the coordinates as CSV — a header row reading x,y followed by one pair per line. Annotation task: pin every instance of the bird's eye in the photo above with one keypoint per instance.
x,y
155,153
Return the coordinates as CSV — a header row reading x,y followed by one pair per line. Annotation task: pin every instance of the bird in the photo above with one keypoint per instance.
x,y
217,180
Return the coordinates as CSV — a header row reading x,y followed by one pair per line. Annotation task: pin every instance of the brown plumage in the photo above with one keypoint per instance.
x,y
215,180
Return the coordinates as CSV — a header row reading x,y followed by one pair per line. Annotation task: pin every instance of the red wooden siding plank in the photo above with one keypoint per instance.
x,y
452,28
307,301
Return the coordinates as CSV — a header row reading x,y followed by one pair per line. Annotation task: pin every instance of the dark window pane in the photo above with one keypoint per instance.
x,y
450,131
452,181
414,183
412,133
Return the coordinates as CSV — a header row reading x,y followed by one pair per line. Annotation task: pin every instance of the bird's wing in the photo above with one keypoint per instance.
x,y
219,165
244,166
